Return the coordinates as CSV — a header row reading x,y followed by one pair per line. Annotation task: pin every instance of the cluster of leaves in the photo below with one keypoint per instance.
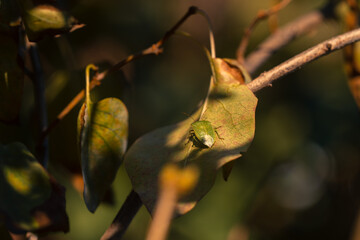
x,y
31,199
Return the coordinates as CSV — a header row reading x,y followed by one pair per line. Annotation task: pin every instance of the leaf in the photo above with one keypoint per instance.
x,y
230,108
77,182
24,184
103,141
11,76
45,19
48,217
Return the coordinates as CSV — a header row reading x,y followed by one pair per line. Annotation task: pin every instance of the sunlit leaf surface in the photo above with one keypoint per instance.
x,y
230,108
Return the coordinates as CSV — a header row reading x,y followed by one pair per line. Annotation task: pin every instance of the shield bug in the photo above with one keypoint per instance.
x,y
203,132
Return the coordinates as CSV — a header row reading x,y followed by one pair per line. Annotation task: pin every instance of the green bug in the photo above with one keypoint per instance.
x,y
203,133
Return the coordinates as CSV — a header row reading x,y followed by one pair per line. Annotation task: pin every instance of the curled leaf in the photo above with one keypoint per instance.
x,y
103,141
231,71
230,108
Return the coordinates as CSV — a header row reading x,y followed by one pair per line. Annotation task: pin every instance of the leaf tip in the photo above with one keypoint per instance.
x,y
91,200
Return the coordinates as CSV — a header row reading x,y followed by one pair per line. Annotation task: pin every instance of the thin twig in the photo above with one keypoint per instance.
x,y
165,206
174,182
262,14
96,80
122,220
211,32
42,149
286,34
322,49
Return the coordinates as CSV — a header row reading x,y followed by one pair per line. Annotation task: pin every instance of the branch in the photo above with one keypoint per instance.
x,y
262,14
42,149
286,34
122,220
322,49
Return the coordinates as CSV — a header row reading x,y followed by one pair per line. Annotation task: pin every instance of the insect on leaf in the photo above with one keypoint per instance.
x,y
102,134
230,110
204,133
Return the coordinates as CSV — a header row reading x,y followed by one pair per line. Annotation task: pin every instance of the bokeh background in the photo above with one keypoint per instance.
x,y
299,179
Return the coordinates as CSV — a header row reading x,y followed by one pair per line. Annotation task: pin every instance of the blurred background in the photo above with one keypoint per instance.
x,y
300,177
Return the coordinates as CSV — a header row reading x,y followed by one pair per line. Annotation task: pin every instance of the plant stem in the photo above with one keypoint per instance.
x,y
262,14
42,149
164,211
124,217
211,32
286,34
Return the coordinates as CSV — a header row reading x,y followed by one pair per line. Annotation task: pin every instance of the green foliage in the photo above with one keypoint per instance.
x,y
40,20
102,148
102,136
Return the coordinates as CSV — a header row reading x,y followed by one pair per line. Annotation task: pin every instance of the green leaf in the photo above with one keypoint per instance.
x,y
45,19
103,140
11,76
230,108
24,184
